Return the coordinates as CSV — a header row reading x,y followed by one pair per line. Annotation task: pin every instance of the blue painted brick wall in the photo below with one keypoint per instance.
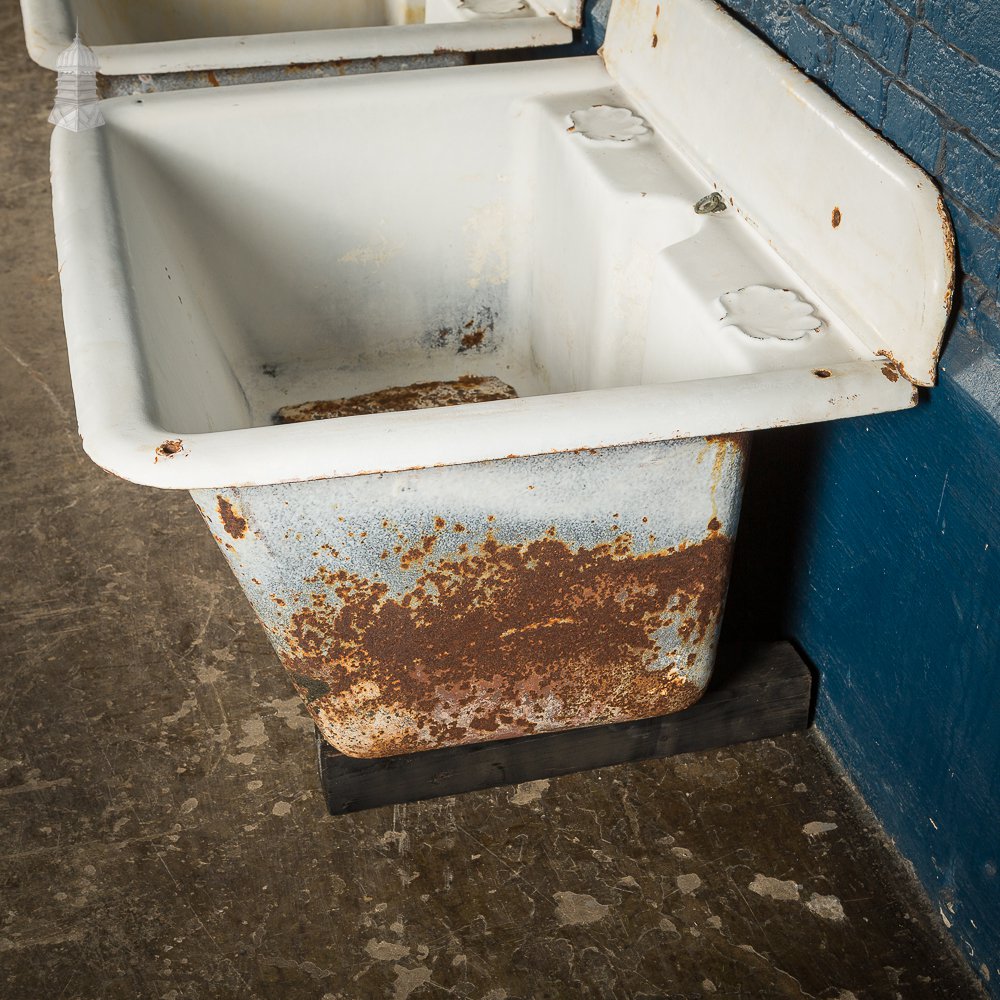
x,y
894,575
875,544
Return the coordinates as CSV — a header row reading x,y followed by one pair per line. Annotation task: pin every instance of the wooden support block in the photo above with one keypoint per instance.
x,y
758,691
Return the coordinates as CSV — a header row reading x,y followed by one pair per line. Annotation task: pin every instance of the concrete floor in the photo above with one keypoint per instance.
x,y
163,832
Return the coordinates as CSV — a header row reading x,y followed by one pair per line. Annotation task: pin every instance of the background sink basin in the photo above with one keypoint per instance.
x,y
149,45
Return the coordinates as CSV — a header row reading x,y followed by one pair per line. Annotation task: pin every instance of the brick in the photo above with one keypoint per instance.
x,y
772,17
978,246
977,304
595,23
971,362
979,307
913,126
842,10
970,25
968,292
965,90
743,7
859,83
881,32
835,13
973,174
821,10
988,324
809,46
875,26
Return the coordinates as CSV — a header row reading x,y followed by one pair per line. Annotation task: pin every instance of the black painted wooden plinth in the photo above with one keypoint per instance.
x,y
758,691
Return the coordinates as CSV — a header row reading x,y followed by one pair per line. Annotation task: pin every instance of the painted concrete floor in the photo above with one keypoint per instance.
x,y
163,833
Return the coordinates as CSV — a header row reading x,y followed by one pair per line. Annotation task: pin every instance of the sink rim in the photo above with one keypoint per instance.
x,y
119,435
48,29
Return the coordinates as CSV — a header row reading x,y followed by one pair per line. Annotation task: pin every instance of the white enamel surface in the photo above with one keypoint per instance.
x,y
170,36
496,8
603,123
226,252
765,313
795,162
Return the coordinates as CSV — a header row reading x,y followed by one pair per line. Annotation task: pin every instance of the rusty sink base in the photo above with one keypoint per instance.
x,y
477,602
758,691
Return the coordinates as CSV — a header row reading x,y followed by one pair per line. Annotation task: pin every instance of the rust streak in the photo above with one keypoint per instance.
x,y
740,442
234,522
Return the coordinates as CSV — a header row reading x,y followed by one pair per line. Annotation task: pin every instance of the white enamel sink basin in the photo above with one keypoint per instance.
x,y
156,37
594,275
224,253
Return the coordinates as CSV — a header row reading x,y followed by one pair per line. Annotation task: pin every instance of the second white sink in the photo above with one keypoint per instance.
x,y
171,44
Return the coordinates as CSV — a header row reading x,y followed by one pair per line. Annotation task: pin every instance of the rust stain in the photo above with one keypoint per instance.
x,y
473,339
168,449
741,442
948,231
892,369
417,396
835,217
656,40
315,68
128,85
822,372
503,641
234,522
